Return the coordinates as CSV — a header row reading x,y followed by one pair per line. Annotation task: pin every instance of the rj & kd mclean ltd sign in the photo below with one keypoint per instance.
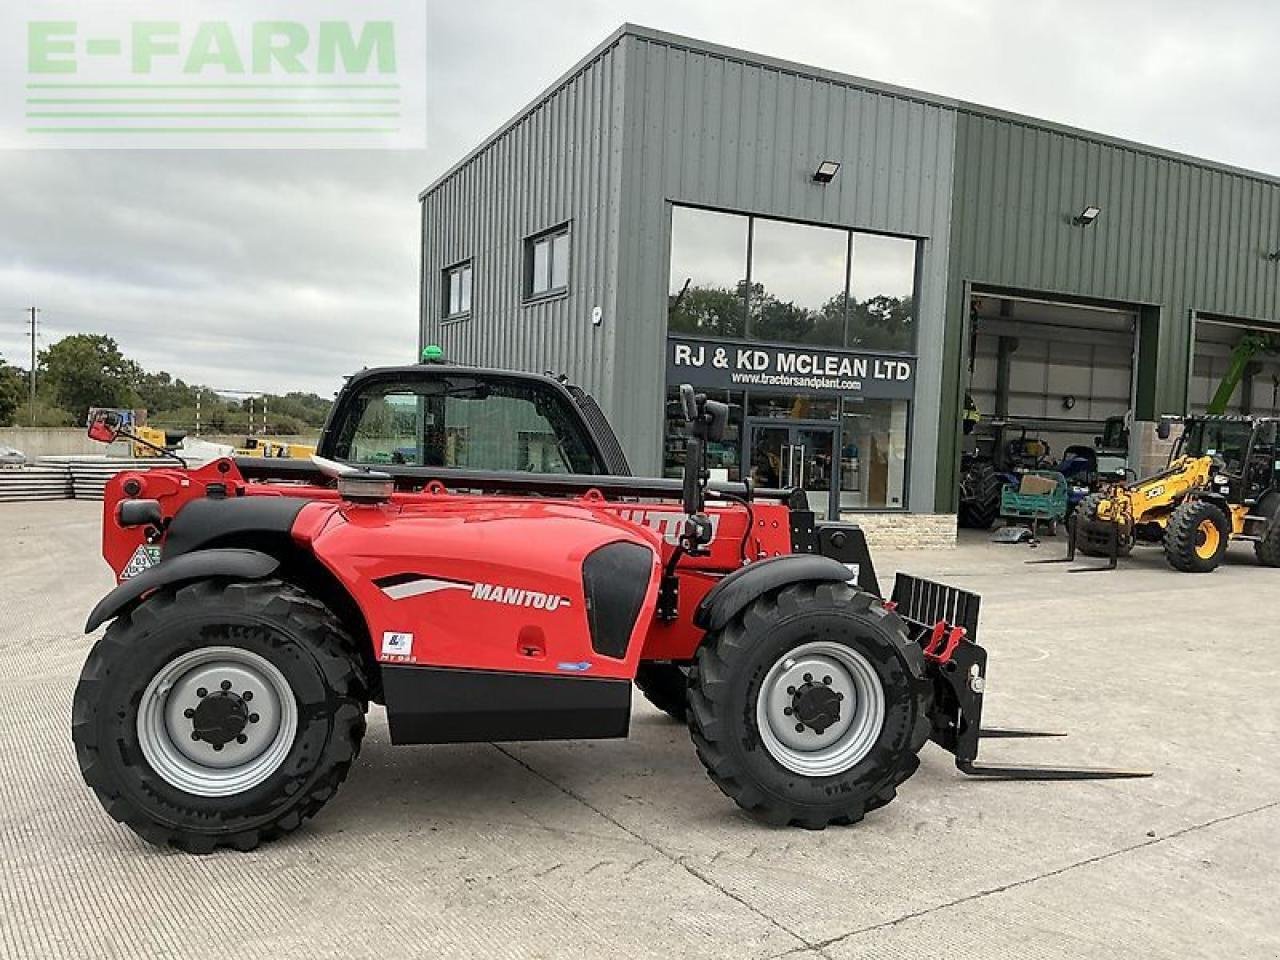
x,y
732,365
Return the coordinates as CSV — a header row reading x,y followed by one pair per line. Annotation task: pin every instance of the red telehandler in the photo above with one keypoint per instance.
x,y
468,550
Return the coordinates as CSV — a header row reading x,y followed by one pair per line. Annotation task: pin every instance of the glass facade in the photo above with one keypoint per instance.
x,y
750,278
745,277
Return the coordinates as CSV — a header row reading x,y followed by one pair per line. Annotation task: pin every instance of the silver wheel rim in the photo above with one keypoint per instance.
x,y
217,721
829,674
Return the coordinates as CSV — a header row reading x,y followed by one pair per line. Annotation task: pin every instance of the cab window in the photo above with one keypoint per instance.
x,y
468,424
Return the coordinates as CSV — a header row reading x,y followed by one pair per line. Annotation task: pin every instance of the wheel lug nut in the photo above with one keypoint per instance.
x,y
188,713
787,711
799,728
808,678
202,692
247,695
791,691
827,681
217,746
253,718
242,739
194,735
839,696
226,684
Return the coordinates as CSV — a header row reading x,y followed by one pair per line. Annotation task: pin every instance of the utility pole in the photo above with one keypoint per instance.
x,y
34,311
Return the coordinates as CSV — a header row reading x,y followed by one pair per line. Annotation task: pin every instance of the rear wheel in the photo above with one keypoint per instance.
x,y
980,488
666,686
1267,550
811,706
1196,537
219,714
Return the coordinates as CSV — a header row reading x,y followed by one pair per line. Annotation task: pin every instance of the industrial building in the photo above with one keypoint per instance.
x,y
843,261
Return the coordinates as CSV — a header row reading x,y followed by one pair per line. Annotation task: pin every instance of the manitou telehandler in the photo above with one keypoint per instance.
x,y
467,556
1222,484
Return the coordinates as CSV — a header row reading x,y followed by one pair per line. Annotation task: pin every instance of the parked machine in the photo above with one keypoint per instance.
x,y
1222,484
263,603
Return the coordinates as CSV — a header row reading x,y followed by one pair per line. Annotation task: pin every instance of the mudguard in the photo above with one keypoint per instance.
x,y
236,564
731,595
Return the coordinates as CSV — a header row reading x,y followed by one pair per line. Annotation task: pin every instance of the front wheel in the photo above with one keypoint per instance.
x,y
219,714
1197,537
811,706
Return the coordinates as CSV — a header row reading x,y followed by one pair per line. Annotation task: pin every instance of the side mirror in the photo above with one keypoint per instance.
x,y
104,427
1163,430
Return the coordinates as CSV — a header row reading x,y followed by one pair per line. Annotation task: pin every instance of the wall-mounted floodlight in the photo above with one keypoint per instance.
x,y
1087,216
826,171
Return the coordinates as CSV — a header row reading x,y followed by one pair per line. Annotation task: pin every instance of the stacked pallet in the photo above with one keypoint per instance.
x,y
35,482
61,478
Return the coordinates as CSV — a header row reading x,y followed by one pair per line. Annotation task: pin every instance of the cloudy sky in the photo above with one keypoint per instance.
x,y
285,269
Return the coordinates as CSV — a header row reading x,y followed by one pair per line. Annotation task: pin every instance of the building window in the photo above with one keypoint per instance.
x,y
708,273
743,277
882,293
457,291
798,279
546,264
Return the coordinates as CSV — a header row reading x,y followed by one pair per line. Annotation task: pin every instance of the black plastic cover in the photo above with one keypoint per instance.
x,y
237,564
732,594
615,578
203,523
450,705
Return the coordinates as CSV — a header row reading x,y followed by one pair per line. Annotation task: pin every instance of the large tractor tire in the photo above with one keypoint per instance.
x,y
219,714
980,488
1093,536
811,706
1197,537
1267,550
666,686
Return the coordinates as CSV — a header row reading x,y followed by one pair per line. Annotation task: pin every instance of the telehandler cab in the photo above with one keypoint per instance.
x,y
1222,484
464,557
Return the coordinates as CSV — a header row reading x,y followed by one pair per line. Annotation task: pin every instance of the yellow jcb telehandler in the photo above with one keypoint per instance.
x,y
1222,484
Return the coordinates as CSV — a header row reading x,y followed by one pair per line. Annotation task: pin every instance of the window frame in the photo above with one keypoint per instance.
x,y
447,275
528,294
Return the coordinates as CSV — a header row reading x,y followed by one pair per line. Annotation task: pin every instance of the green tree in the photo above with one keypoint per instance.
x,y
88,370
707,312
12,391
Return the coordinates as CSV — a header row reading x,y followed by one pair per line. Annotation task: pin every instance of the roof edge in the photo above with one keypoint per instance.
x,y
844,79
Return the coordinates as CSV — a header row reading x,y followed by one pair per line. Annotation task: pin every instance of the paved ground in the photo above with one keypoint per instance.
x,y
626,849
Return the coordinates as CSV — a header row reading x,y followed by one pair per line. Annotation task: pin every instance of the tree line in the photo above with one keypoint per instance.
x,y
89,370
877,323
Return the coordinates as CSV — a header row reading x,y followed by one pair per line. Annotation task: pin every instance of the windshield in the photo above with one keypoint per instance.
x,y
1228,440
467,423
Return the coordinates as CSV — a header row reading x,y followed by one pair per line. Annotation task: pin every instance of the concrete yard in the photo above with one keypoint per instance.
x,y
626,849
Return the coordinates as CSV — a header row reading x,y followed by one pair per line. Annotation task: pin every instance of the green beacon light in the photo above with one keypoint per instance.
x,y
432,354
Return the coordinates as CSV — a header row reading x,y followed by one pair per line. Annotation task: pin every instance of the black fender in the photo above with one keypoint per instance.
x,y
235,564
731,595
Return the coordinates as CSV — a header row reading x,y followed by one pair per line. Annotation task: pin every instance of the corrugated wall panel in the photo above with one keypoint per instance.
x,y
1174,234
722,131
557,163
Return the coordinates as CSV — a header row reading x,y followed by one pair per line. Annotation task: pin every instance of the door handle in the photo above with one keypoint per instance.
x,y
803,453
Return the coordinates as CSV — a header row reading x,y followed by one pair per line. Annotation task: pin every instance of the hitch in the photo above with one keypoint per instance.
x,y
944,621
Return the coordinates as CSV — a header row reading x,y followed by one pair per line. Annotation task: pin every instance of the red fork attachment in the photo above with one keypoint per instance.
x,y
944,621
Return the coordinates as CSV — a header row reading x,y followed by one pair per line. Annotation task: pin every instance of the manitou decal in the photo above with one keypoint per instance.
x,y
515,597
668,523
402,586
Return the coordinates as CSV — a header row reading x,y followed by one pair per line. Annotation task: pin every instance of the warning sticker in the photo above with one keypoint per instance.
x,y
397,644
144,558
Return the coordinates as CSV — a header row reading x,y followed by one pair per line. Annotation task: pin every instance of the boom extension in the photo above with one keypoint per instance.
x,y
959,681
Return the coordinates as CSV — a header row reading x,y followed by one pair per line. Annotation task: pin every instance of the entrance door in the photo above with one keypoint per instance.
x,y
796,456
